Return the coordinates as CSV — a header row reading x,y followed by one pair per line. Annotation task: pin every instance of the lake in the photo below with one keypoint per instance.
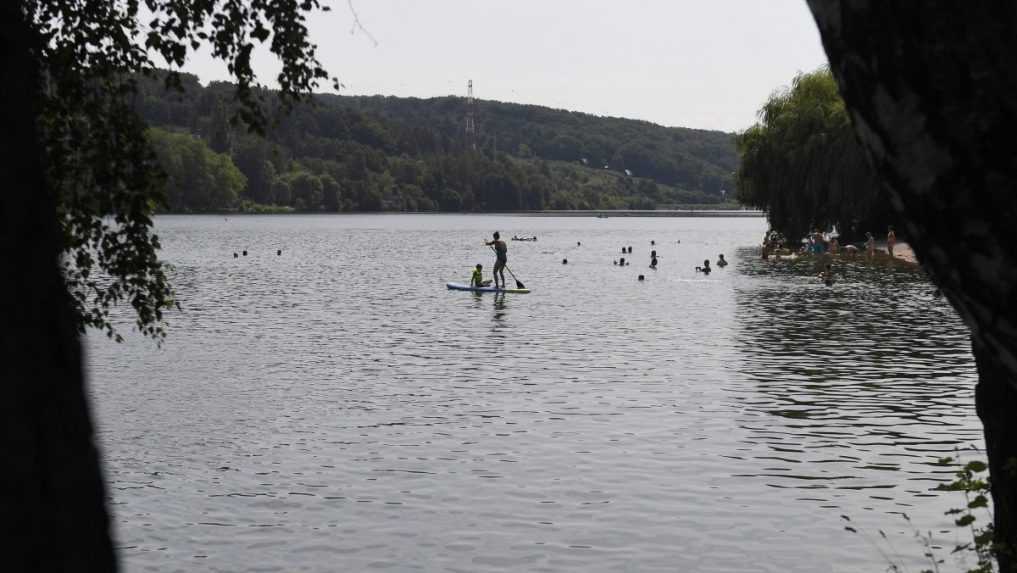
x,y
336,408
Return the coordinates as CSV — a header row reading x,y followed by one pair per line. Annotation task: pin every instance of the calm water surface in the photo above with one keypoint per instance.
x,y
336,408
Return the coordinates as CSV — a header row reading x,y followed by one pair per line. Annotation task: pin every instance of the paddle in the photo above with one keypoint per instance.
x,y
519,283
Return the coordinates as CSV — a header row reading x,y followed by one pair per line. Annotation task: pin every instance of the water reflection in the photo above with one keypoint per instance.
x,y
500,310
853,385
335,417
498,303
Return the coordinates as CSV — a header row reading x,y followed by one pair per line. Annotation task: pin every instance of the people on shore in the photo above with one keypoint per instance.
x,y
500,260
721,262
834,246
891,240
773,242
870,245
817,244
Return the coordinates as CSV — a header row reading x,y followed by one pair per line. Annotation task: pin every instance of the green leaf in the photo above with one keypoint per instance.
x,y
979,501
976,466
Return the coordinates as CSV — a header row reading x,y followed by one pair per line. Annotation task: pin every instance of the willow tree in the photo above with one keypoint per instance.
x,y
80,186
802,164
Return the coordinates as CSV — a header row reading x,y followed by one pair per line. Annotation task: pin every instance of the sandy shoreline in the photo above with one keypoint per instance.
x,y
901,251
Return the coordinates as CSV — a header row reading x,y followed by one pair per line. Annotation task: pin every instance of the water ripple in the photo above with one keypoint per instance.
x,y
336,408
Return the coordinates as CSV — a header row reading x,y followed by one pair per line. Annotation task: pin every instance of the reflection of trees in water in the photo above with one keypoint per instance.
x,y
870,375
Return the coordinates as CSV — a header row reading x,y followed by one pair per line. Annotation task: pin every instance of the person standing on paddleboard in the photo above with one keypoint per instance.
x,y
501,259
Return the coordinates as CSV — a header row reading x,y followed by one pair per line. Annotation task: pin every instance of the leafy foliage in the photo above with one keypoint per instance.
x,y
803,165
407,154
973,481
98,161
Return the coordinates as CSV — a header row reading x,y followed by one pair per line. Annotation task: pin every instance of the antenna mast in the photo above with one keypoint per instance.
x,y
471,125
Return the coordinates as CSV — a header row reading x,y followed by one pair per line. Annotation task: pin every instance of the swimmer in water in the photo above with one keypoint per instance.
x,y
720,261
705,269
827,275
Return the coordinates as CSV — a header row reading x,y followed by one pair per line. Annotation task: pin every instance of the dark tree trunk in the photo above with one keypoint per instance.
x,y
997,407
54,516
932,92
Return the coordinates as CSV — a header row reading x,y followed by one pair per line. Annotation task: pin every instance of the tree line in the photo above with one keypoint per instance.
x,y
403,154
802,164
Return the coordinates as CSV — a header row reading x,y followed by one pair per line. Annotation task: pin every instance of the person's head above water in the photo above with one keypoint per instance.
x,y
479,266
497,235
706,263
721,256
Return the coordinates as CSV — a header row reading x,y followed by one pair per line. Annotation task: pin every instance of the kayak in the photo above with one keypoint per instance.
x,y
461,286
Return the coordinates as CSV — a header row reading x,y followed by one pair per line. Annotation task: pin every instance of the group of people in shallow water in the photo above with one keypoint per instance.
x,y
501,260
818,243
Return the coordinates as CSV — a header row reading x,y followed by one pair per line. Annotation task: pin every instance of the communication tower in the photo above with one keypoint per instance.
x,y
471,124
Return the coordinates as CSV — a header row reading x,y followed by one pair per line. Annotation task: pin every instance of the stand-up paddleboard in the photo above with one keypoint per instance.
x,y
461,286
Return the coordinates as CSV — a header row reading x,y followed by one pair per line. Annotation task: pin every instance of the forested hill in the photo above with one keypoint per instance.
x,y
689,158
408,154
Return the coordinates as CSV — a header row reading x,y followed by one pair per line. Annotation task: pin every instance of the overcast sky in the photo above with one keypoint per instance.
x,y
692,63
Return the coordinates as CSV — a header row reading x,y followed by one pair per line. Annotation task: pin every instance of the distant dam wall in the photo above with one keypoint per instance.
x,y
651,213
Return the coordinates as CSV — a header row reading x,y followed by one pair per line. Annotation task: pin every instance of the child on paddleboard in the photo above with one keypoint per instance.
x,y
477,280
